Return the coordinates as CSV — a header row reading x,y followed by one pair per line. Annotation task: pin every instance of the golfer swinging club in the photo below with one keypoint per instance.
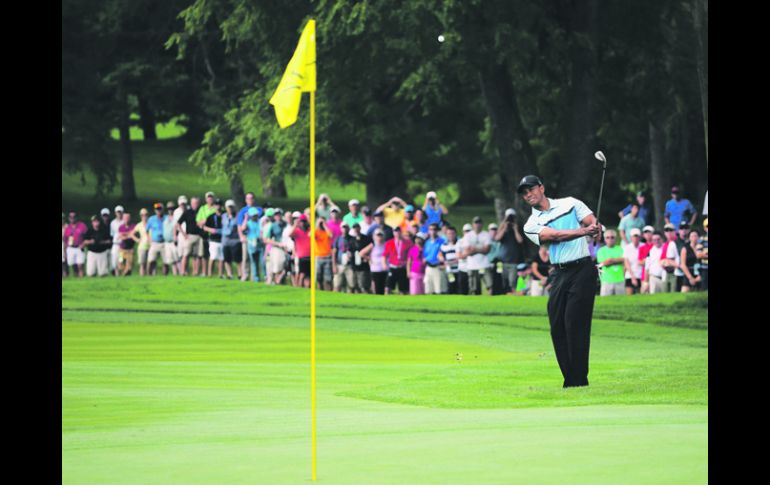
x,y
562,225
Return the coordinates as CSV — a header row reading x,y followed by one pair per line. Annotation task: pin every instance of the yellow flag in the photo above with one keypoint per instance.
x,y
299,77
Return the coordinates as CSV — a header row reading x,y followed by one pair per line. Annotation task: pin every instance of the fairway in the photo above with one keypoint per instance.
x,y
186,380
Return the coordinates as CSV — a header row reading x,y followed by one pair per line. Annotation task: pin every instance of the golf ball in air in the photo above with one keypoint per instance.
x,y
441,38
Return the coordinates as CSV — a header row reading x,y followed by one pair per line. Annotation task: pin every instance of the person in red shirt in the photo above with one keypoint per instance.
x,y
301,236
644,251
396,254
74,238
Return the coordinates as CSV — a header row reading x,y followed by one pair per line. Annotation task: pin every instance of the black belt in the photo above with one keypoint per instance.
x,y
572,264
433,265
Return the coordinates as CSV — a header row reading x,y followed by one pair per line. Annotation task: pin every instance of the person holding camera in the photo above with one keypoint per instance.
x,y
434,210
323,208
510,238
323,254
301,235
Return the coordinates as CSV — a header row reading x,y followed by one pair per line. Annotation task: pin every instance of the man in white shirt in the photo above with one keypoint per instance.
x,y
633,274
477,245
654,273
115,251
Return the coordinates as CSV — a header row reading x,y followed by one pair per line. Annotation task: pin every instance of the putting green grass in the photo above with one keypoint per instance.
x,y
173,380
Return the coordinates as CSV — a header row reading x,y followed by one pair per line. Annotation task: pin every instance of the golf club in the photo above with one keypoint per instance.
x,y
600,156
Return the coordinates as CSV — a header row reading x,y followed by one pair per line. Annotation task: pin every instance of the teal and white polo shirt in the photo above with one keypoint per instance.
x,y
563,214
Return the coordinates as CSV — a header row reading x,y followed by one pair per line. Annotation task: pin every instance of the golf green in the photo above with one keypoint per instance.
x,y
174,380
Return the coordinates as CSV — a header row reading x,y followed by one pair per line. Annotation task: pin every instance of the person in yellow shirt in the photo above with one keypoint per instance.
x,y
143,248
393,210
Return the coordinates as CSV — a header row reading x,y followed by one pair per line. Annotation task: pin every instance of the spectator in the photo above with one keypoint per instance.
x,y
379,223
495,268
688,259
292,261
301,236
630,221
250,201
213,226
74,234
462,261
115,251
265,222
644,250
277,253
98,241
412,230
594,246
524,280
477,245
612,266
200,219
334,223
324,206
323,254
435,282
105,222
539,272
419,221
409,218
434,210
678,209
127,242
354,216
191,242
252,229
367,221
702,251
416,264
393,211
342,262
157,239
644,208
143,248
63,246
509,254
231,241
396,253
670,259
378,265
654,272
362,278
448,257
681,242
633,273
170,253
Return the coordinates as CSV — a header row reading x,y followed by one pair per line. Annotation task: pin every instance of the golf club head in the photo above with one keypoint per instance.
x,y
600,156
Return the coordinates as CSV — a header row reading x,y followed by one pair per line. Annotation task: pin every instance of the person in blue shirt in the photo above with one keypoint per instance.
x,y
231,241
251,201
435,277
434,210
679,209
157,242
645,211
251,228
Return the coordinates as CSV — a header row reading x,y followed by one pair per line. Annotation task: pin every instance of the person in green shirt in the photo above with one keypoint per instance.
x,y
630,221
612,265
200,219
524,274
354,216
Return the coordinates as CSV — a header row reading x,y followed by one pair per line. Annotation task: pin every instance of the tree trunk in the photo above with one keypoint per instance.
x,y
515,156
660,175
237,192
147,119
384,179
127,160
272,187
700,15
581,176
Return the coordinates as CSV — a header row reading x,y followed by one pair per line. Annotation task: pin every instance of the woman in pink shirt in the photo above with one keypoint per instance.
x,y
335,224
416,264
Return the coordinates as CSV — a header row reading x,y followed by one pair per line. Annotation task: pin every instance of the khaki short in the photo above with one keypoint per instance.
x,y
344,279
170,254
155,252
193,246
277,260
126,258
97,263
435,280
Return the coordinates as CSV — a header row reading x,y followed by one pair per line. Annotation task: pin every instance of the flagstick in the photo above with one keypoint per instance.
x,y
312,275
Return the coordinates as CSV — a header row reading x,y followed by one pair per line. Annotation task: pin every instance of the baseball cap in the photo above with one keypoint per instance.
x,y
335,209
521,267
684,225
143,212
409,208
477,219
636,232
354,202
379,232
170,205
181,200
278,210
302,217
467,227
421,235
217,201
95,218
119,208
675,188
253,211
510,212
378,214
270,212
366,210
669,226
105,212
706,222
492,226
209,194
296,214
648,229
230,203
529,181
157,205
430,195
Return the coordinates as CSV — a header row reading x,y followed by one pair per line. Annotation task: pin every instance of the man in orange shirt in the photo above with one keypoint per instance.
x,y
323,255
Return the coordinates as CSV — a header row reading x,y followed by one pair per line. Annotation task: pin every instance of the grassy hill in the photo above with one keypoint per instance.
x,y
173,380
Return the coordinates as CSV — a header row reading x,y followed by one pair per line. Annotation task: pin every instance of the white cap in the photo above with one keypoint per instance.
x,y
648,228
510,212
467,227
636,232
181,200
296,214
230,203
105,212
119,208
209,194
354,202
492,226
421,235
430,195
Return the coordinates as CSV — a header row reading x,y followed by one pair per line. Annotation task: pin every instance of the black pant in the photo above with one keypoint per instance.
x,y
453,286
570,308
398,276
379,278
462,282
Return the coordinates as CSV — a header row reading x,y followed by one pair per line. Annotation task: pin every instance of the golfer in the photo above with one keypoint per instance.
x,y
562,226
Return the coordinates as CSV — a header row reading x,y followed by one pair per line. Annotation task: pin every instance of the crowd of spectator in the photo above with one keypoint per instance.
x,y
397,248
